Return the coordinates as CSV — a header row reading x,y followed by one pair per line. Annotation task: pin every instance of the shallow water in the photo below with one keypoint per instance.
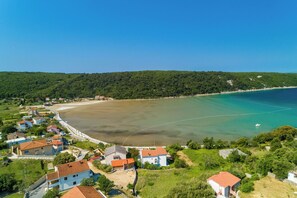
x,y
164,121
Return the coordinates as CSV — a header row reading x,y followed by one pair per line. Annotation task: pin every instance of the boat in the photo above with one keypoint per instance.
x,y
257,125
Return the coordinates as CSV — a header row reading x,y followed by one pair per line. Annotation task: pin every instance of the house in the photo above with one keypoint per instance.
x,y
33,111
123,164
15,135
24,125
16,141
156,156
113,153
224,184
52,129
292,176
37,147
57,146
224,153
69,175
38,120
84,192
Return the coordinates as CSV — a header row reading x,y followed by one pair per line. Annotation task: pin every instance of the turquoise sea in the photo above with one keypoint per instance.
x,y
164,121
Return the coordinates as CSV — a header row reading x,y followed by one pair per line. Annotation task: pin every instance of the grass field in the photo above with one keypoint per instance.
x,y
268,187
15,195
159,182
28,171
9,112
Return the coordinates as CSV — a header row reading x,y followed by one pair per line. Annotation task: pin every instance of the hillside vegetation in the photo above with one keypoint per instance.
x,y
131,85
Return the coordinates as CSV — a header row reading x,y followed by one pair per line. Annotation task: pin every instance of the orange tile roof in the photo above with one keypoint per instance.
x,y
56,137
33,144
22,122
57,142
83,192
158,151
73,167
225,179
52,176
122,162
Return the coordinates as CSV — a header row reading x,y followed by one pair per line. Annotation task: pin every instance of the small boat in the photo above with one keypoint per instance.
x,y
258,125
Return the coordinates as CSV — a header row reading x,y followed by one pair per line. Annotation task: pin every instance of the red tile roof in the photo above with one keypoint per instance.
x,y
225,179
52,176
154,153
122,162
83,192
33,144
57,142
73,167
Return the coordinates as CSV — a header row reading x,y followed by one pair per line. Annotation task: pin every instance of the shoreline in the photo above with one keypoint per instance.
x,y
82,135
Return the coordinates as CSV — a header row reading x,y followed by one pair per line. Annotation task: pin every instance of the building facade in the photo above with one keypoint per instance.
x,y
156,156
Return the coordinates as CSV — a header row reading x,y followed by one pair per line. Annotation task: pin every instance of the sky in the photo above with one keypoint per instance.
x,y
91,36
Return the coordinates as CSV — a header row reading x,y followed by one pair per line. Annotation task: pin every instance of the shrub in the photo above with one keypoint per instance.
x,y
63,158
150,166
247,187
87,182
104,167
51,194
105,184
179,163
275,144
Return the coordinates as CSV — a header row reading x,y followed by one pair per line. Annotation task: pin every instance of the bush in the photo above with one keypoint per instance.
x,y
87,182
234,156
105,184
275,144
247,187
104,167
208,143
8,182
63,158
179,163
193,145
51,194
130,186
150,166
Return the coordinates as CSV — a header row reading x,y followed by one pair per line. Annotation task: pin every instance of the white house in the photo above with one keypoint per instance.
x,y
224,184
69,175
16,141
156,156
115,152
38,120
24,125
292,176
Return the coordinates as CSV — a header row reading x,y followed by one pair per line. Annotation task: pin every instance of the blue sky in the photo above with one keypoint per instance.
x,y
125,35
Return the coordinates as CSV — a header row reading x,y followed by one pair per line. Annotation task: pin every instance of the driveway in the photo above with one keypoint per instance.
x,y
38,192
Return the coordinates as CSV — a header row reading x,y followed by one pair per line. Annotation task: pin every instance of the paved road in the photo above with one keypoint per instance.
x,y
38,192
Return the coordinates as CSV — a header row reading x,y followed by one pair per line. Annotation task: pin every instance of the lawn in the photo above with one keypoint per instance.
x,y
9,112
15,195
28,171
86,145
268,187
157,183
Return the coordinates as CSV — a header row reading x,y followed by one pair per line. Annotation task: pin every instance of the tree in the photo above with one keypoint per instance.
x,y
105,184
192,188
247,187
234,156
281,167
8,182
51,194
208,143
1,122
87,182
179,163
63,158
193,145
275,144
133,153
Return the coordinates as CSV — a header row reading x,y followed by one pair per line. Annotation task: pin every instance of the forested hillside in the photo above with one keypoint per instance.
x,y
143,84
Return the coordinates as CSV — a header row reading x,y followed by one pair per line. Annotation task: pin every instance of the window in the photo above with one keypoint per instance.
x,y
74,183
65,178
74,175
26,152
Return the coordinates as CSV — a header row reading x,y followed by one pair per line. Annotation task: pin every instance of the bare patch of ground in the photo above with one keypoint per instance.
x,y
119,177
269,187
183,156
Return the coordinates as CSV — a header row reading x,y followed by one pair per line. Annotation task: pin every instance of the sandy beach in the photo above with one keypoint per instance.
x,y
66,106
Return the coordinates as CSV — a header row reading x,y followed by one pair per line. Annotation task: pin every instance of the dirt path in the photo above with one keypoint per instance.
x,y
183,156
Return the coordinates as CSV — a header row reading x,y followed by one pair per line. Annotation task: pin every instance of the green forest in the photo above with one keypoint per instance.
x,y
132,85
